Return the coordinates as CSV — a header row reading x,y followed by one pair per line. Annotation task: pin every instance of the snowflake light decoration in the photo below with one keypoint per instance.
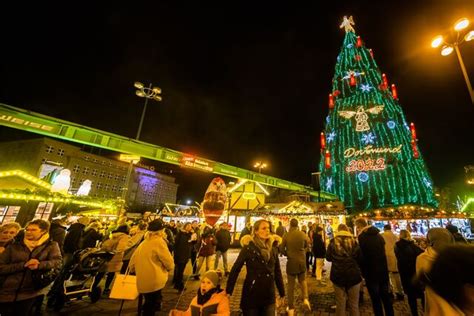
x,y
329,184
368,138
331,136
365,87
350,45
391,124
427,183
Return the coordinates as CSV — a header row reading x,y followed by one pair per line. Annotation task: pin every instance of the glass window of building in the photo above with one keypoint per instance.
x,y
49,149
60,152
43,211
94,172
85,170
8,214
76,168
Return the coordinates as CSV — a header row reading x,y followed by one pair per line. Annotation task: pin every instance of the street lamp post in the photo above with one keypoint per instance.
x,y
149,92
448,48
260,165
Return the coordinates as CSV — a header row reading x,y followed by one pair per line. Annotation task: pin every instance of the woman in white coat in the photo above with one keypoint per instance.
x,y
152,262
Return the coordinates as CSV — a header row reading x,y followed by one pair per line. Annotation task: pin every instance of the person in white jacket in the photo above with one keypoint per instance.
x,y
152,262
390,240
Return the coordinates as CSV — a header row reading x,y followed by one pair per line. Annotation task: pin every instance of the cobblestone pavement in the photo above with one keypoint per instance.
x,y
321,297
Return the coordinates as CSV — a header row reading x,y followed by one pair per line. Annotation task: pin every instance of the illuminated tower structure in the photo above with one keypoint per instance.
x,y
369,153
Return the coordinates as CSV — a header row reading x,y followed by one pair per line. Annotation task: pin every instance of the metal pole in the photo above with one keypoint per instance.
x,y
464,72
143,115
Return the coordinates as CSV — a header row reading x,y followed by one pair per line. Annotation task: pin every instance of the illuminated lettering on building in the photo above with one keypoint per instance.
x,y
197,163
19,121
369,150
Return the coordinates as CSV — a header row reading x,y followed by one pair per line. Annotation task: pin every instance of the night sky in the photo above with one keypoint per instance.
x,y
241,81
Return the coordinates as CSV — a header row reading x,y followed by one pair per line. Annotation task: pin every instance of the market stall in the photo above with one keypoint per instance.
x,y
180,213
418,220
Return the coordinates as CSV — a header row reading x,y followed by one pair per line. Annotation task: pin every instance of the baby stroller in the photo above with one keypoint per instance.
x,y
76,280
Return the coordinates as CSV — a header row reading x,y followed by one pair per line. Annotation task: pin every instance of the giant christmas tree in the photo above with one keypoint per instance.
x,y
369,154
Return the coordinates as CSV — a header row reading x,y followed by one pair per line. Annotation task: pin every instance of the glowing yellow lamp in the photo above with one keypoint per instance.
x,y
461,24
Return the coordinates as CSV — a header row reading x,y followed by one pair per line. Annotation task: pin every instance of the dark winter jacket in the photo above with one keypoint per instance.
x,y
16,280
281,231
90,238
406,252
346,257
259,284
223,239
294,246
208,245
319,248
374,263
182,247
72,242
57,233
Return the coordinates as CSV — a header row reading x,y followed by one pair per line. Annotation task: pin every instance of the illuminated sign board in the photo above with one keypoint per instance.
x,y
197,163
366,165
249,196
19,121
129,158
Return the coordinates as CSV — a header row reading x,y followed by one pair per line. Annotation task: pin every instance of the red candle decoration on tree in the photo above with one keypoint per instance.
x,y
416,154
336,93
323,141
359,41
327,159
331,101
371,52
384,81
394,92
413,131
352,80
357,57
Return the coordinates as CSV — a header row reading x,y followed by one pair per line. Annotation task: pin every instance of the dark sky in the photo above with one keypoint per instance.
x,y
241,81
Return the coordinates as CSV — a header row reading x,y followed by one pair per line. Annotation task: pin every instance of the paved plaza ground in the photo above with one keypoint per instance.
x,y
320,296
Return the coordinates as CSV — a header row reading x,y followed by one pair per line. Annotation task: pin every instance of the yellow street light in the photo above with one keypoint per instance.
x,y
260,165
438,40
446,50
461,24
449,47
469,36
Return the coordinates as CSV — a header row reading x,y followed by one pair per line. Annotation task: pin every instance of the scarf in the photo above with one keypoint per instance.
x,y
203,298
32,244
265,247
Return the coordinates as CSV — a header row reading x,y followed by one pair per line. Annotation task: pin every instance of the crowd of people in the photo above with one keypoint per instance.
x,y
389,266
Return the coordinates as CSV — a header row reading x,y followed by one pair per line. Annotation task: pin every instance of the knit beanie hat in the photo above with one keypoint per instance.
x,y
155,225
212,276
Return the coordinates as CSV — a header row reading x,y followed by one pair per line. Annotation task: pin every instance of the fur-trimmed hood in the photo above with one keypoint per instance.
x,y
245,241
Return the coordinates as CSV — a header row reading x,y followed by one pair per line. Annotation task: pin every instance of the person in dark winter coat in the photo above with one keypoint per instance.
x,y
406,252
456,235
207,250
92,235
294,246
263,272
374,267
223,240
346,257
196,245
8,233
57,233
246,231
20,261
281,230
319,252
182,252
72,241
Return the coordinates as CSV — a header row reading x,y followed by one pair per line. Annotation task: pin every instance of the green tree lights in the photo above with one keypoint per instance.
x,y
369,154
